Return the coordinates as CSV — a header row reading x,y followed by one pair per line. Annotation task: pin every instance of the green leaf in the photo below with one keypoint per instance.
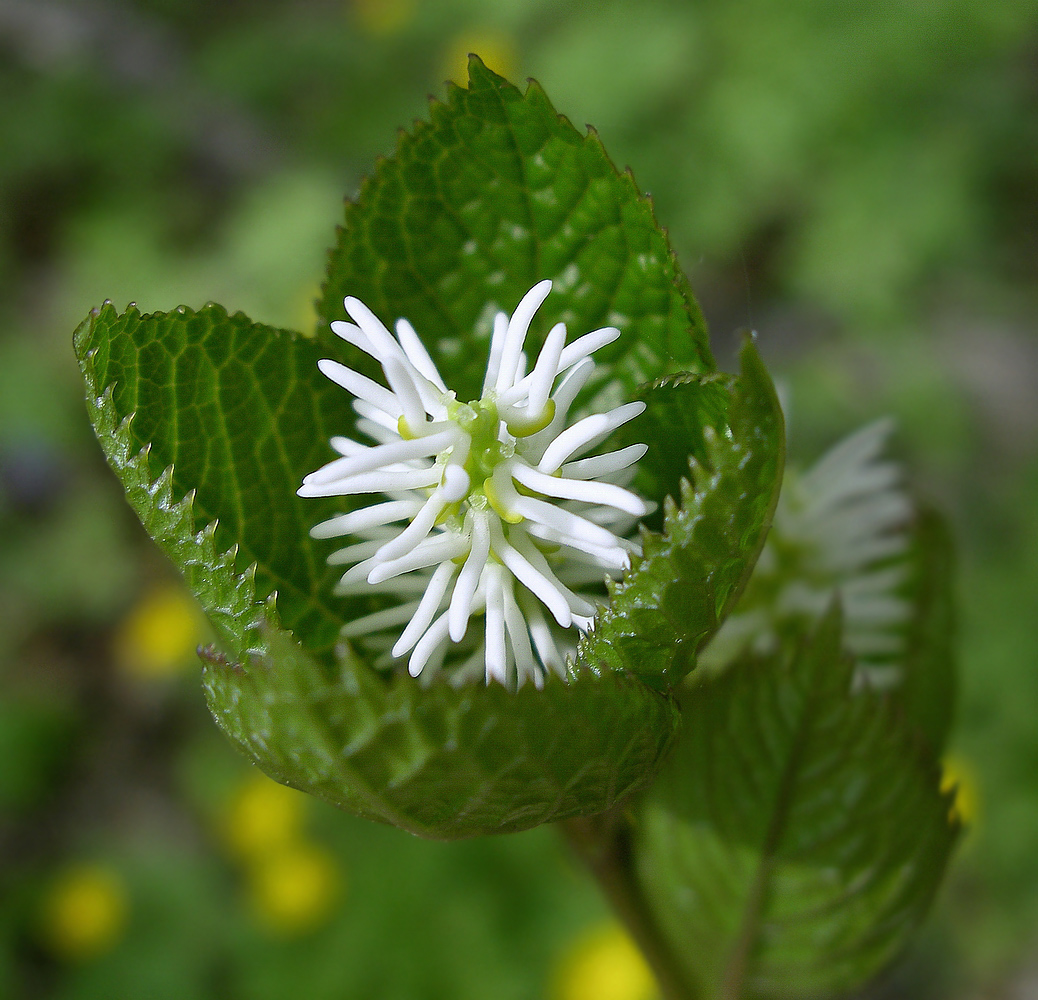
x,y
797,834
204,418
678,409
496,192
676,595
230,414
441,761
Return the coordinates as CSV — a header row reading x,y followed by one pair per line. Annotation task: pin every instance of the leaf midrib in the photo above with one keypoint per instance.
x,y
738,965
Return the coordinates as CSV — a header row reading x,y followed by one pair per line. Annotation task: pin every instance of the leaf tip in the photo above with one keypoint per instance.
x,y
479,73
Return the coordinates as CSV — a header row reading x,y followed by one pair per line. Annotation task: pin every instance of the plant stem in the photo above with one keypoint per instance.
x,y
603,843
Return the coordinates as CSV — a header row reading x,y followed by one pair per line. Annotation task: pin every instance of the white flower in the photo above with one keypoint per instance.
x,y
489,507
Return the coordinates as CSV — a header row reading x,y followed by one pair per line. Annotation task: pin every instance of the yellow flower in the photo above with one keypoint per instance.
x,y
84,912
160,635
495,48
383,17
960,775
263,817
306,309
294,889
604,964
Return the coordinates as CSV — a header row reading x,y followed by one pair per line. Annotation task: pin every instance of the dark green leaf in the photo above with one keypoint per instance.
x,y
496,192
239,414
442,762
677,410
675,596
797,834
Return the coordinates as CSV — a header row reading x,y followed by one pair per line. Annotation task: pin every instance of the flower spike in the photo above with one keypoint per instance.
x,y
492,511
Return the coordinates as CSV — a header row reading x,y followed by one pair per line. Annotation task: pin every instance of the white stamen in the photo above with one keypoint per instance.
x,y
361,386
523,544
497,346
380,418
417,530
383,346
456,483
578,489
407,392
428,552
347,446
366,517
519,635
497,661
605,465
375,482
564,396
518,326
544,641
544,372
380,620
417,354
380,457
584,347
399,586
426,609
604,556
354,335
468,580
585,434
355,552
543,588
434,638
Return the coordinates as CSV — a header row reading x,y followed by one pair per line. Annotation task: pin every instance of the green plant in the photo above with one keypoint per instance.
x,y
770,823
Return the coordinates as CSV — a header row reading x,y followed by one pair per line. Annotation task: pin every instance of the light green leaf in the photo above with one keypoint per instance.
x,y
797,834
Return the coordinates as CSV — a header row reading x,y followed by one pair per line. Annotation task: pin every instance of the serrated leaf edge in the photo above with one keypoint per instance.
x,y
658,548
238,622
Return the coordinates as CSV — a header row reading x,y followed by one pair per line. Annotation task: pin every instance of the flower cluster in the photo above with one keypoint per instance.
x,y
840,526
490,508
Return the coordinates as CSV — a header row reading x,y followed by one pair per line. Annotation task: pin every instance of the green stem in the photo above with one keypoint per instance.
x,y
603,843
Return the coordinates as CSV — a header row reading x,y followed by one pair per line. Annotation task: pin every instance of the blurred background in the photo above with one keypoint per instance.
x,y
858,182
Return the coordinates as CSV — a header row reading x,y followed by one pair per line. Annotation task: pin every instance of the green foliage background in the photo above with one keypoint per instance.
x,y
858,184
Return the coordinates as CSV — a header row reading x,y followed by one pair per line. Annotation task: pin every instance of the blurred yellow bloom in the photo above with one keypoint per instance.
x,y
84,912
160,635
306,310
604,964
383,17
495,48
959,774
293,890
263,817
